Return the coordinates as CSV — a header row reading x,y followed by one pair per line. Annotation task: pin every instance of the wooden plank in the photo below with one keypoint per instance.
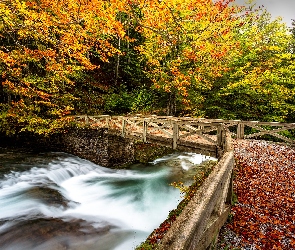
x,y
207,138
230,192
175,135
198,133
219,136
187,134
98,121
275,135
206,128
118,124
108,121
233,122
86,120
273,124
163,124
135,123
264,131
241,131
189,127
123,127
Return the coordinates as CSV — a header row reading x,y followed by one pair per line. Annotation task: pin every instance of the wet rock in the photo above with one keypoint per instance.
x,y
57,233
147,152
48,196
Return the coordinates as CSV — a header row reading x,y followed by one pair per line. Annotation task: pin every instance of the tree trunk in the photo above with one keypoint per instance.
x,y
118,63
118,59
1,92
171,104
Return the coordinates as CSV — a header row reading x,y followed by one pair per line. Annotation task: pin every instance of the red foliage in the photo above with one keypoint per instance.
x,y
265,185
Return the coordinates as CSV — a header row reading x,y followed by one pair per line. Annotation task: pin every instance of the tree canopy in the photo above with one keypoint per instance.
x,y
190,57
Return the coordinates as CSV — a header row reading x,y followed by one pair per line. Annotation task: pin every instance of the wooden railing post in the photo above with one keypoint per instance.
x,y
145,127
87,120
219,136
240,131
175,134
108,121
201,127
230,192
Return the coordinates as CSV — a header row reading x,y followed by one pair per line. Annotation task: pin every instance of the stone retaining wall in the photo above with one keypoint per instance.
x,y
96,145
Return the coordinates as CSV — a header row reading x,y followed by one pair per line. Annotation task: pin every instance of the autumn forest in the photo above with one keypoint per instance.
x,y
200,58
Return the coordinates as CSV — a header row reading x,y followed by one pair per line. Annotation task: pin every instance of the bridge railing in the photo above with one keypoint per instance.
x,y
182,131
256,129
199,223
166,129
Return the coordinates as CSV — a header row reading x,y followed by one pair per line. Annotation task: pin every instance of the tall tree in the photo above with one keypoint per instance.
x,y
44,47
186,45
292,29
260,82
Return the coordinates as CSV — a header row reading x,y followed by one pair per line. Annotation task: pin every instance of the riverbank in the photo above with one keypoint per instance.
x,y
263,216
96,145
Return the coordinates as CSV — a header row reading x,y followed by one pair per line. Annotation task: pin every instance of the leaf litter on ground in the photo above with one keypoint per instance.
x,y
264,215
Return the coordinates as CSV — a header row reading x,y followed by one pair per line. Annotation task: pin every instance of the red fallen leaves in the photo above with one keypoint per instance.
x,y
161,231
265,186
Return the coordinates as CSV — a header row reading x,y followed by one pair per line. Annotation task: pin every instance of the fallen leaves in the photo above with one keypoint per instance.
x,y
265,186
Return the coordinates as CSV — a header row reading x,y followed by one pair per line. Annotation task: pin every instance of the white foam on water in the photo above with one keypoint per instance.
x,y
134,201
129,200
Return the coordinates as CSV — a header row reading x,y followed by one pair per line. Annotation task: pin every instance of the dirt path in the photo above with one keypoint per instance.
x,y
264,216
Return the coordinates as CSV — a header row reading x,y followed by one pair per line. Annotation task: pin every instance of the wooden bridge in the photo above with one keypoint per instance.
x,y
198,134
200,221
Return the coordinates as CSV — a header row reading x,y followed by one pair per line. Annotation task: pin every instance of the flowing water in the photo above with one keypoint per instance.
x,y
51,201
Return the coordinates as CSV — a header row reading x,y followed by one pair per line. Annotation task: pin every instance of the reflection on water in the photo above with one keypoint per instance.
x,y
59,201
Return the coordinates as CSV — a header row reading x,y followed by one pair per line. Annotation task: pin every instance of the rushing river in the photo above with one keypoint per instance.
x,y
52,201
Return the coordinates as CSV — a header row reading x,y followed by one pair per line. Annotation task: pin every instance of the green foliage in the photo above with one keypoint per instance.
x,y
145,246
118,103
143,100
122,101
260,82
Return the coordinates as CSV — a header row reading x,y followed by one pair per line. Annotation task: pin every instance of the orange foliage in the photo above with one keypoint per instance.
x,y
187,42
